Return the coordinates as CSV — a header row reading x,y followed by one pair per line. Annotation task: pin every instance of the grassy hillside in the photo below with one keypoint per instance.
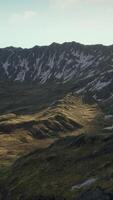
x,y
66,169
62,144
19,107
20,134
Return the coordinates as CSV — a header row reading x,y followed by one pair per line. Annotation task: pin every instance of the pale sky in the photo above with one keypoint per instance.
x,y
27,23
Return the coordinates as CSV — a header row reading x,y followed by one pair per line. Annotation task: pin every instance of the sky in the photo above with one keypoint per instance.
x,y
26,23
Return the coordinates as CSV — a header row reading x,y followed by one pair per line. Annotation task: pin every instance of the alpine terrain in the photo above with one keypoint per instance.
x,y
56,122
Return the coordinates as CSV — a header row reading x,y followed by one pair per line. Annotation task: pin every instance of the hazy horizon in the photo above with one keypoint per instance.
x,y
30,47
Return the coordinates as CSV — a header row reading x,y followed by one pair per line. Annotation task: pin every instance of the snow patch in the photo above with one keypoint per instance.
x,y
100,85
108,116
80,90
5,66
85,183
109,128
23,69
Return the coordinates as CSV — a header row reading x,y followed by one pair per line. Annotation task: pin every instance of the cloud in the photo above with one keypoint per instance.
x,y
22,17
69,3
62,3
29,14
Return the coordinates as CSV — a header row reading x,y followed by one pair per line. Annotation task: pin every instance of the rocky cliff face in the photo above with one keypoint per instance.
x,y
58,62
89,67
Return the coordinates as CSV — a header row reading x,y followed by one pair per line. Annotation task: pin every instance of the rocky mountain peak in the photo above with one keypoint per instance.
x,y
89,67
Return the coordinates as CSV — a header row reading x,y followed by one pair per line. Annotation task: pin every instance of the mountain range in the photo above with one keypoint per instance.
x,y
88,67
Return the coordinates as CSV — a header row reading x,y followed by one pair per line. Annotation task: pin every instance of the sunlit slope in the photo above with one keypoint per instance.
x,y
66,115
71,151
20,134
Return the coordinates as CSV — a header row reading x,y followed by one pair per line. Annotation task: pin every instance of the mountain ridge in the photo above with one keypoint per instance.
x,y
57,43
45,58
88,67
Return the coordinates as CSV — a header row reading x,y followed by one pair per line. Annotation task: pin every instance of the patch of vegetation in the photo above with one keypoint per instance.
x,y
68,162
58,141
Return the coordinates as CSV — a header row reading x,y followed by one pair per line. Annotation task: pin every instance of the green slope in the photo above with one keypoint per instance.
x,y
63,169
20,134
74,152
69,139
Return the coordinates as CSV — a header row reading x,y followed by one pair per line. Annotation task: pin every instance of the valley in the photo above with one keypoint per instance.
x,y
56,133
